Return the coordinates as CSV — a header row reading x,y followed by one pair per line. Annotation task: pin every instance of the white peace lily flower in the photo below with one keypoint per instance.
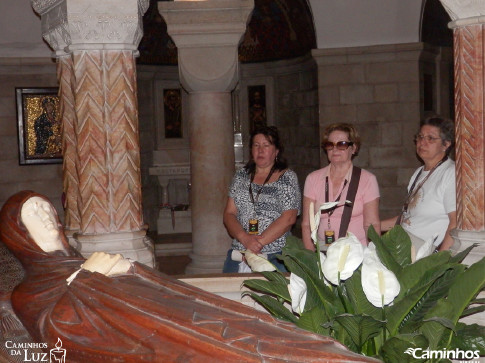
x,y
344,256
315,218
258,263
298,291
330,205
426,249
380,285
314,222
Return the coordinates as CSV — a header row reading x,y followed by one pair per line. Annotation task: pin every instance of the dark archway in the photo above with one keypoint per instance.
x,y
437,81
278,29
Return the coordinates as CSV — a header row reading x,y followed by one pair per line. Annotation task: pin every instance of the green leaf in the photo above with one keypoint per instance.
x,y
402,311
396,313
293,242
413,274
434,331
274,307
303,263
394,349
447,323
438,290
473,310
398,244
384,251
269,287
460,256
313,320
469,337
360,328
466,287
356,296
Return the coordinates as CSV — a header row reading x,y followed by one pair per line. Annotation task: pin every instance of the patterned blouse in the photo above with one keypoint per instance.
x,y
275,198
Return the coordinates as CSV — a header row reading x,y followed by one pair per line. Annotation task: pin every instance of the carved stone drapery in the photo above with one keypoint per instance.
x,y
96,44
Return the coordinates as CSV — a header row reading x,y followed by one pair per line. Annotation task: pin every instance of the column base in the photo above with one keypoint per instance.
x,y
134,245
464,239
70,238
205,264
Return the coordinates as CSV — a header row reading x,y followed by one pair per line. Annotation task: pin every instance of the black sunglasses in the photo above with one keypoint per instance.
x,y
341,145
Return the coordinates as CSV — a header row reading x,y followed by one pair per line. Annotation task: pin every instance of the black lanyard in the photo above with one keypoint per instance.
x,y
327,198
255,200
411,194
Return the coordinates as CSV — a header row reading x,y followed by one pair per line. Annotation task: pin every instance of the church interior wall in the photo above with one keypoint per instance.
x,y
378,102
44,178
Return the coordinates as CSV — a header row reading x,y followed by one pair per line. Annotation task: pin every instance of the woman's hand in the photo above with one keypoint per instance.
x,y
252,242
448,240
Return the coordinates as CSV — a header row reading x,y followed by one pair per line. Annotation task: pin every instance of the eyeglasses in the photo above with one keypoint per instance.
x,y
341,145
430,139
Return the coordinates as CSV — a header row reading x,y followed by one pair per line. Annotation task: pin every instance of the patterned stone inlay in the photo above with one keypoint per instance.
x,y
108,146
470,149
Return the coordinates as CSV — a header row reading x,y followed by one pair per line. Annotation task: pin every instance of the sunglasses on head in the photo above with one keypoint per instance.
x,y
341,145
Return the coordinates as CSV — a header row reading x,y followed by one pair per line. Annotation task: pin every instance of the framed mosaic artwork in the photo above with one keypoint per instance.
x,y
39,126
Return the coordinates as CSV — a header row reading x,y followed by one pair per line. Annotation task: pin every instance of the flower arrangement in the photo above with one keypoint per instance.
x,y
376,300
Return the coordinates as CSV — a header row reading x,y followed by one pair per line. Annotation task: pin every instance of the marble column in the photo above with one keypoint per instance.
x,y
207,35
96,43
468,24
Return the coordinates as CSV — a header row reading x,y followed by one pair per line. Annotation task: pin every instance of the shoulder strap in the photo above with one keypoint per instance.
x,y
354,184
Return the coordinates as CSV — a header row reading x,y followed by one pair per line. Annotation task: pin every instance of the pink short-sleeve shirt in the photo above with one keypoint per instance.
x,y
367,191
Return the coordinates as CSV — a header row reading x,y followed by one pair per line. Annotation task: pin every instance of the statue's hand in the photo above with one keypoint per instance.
x,y
106,264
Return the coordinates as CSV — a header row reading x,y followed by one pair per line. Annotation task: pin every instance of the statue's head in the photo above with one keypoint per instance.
x,y
40,218
30,229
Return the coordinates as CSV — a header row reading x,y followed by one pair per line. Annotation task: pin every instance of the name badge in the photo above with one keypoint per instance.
x,y
253,226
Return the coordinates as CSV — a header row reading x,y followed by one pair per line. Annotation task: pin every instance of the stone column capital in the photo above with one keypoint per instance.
x,y
464,12
207,35
91,24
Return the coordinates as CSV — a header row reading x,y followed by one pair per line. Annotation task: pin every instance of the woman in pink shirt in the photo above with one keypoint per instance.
x,y
341,142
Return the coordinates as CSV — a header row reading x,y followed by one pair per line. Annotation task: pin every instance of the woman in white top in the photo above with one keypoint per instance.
x,y
430,208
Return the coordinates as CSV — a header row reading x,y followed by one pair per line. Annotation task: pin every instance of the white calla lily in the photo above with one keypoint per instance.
x,y
298,291
344,256
380,285
426,249
258,263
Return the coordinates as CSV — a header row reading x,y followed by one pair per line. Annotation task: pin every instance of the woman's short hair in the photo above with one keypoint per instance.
x,y
345,127
446,127
271,134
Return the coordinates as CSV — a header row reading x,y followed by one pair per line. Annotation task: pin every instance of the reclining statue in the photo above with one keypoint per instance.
x,y
110,309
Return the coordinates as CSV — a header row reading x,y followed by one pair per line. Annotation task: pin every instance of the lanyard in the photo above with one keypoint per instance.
x,y
327,198
412,194
255,200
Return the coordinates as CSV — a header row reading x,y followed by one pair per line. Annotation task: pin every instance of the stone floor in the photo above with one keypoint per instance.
x,y
172,265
